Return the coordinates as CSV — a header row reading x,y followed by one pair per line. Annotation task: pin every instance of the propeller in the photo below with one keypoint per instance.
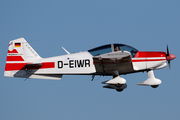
x,y
169,57
167,54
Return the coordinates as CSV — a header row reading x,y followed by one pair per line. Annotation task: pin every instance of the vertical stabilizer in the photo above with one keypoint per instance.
x,y
20,47
19,53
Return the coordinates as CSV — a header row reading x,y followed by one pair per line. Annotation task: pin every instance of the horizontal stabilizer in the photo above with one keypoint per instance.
x,y
46,76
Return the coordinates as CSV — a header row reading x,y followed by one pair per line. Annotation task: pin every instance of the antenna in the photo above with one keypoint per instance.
x,y
65,50
32,41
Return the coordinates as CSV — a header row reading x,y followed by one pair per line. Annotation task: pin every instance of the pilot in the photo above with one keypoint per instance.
x,y
117,48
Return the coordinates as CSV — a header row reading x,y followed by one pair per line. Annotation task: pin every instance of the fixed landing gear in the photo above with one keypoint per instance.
x,y
120,87
117,83
117,87
119,90
151,81
154,86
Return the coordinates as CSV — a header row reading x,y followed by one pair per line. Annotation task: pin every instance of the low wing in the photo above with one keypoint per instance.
x,y
107,63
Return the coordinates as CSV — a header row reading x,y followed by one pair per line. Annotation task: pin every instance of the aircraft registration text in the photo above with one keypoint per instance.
x,y
74,63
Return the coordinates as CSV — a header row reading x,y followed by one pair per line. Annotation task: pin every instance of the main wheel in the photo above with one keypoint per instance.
x,y
119,90
154,86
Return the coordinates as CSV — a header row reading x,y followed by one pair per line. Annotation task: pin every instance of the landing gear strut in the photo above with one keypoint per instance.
x,y
151,81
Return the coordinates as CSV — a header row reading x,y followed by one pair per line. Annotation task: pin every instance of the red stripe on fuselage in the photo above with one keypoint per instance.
x,y
150,54
146,56
148,60
22,66
44,65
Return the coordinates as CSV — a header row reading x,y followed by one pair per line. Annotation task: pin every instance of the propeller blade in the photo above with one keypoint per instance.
x,y
169,63
167,54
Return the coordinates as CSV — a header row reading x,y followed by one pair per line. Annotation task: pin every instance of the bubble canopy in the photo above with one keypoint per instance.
x,y
113,48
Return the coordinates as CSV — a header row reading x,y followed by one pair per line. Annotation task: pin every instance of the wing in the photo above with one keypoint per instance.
x,y
109,62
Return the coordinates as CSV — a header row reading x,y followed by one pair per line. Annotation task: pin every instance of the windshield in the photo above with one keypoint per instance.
x,y
101,50
113,48
122,47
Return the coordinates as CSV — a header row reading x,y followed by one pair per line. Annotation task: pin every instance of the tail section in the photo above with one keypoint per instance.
x,y
19,53
21,57
20,47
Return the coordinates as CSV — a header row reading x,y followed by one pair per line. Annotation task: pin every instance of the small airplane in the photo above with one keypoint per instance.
x,y
107,60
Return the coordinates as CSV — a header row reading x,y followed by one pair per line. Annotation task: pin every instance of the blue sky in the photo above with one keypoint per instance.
x,y
79,25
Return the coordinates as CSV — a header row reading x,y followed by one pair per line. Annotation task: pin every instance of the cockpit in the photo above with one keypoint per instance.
x,y
113,48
